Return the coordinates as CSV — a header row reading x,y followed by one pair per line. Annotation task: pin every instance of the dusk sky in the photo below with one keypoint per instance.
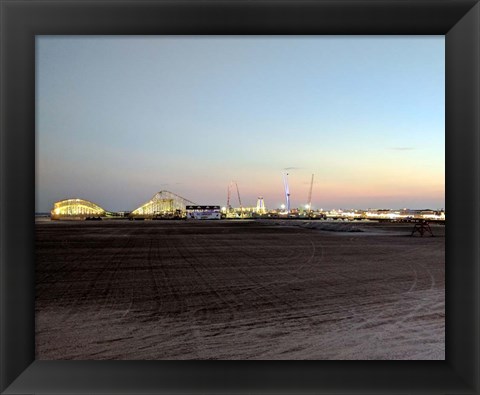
x,y
120,118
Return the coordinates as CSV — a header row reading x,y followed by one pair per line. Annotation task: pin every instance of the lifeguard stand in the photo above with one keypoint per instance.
x,y
422,227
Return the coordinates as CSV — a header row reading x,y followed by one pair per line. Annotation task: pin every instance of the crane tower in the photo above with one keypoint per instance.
x,y
287,192
310,197
229,192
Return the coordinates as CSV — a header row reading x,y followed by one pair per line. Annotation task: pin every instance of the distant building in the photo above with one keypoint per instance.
x,y
260,209
203,212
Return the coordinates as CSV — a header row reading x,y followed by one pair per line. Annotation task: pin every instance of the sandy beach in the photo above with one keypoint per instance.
x,y
239,290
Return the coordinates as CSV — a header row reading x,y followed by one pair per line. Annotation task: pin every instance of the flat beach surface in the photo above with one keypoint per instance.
x,y
243,289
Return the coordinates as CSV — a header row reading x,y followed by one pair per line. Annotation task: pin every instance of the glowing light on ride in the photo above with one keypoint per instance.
x,y
261,209
164,202
76,208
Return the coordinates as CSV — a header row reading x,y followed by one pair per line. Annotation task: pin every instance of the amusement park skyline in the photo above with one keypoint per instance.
x,y
119,119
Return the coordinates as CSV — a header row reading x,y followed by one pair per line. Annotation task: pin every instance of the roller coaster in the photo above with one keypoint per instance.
x,y
164,204
77,209
168,205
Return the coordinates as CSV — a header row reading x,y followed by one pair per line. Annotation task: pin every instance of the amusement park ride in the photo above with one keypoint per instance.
x,y
287,193
229,192
309,205
168,205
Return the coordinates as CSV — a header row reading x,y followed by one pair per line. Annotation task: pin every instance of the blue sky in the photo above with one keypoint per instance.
x,y
121,118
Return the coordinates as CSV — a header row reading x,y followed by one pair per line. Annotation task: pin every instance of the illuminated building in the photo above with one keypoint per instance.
x,y
76,209
260,209
203,212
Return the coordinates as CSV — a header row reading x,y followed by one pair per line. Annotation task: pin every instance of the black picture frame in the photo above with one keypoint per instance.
x,y
458,20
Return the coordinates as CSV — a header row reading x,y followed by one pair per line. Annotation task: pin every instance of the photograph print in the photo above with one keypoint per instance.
x,y
240,198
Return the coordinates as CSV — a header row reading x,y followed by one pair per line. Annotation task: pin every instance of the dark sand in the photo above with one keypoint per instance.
x,y
238,290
